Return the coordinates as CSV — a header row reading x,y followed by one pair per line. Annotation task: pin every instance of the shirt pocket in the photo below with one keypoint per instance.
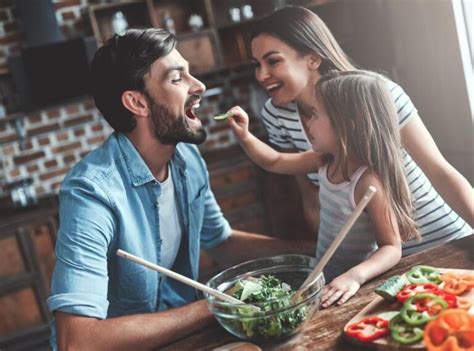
x,y
138,291
197,206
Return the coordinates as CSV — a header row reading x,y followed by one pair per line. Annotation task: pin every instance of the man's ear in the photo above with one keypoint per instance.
x,y
135,102
314,61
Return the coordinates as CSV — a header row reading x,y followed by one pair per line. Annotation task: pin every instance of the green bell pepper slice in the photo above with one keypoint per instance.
x,y
403,333
424,274
410,314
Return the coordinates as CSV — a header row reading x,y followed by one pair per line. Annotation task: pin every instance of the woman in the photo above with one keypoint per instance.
x,y
292,48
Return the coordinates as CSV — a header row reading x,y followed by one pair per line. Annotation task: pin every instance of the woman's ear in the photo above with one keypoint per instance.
x,y
314,61
135,102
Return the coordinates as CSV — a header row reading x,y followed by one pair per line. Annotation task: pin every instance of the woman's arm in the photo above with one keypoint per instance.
x,y
385,257
447,181
265,156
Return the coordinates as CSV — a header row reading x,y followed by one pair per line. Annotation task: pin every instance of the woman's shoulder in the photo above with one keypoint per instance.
x,y
395,89
275,111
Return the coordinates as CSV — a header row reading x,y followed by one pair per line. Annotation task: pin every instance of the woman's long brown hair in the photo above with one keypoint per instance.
x,y
363,115
305,32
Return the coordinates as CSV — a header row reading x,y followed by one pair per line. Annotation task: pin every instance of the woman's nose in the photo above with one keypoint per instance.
x,y
261,74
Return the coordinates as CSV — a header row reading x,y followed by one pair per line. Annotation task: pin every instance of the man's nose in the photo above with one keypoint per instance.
x,y
197,87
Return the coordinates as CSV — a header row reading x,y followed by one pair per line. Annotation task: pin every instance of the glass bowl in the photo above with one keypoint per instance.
x,y
274,319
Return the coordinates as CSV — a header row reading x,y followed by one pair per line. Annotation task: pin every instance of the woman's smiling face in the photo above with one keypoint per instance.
x,y
281,70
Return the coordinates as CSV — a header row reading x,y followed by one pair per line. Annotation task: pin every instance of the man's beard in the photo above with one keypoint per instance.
x,y
170,128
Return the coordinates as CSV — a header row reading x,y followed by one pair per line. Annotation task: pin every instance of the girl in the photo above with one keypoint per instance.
x,y
356,143
292,48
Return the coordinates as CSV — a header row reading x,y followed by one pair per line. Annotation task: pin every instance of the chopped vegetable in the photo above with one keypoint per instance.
x,y
413,289
453,330
368,329
434,305
469,280
449,298
455,286
389,289
222,117
388,315
404,333
463,302
273,295
424,274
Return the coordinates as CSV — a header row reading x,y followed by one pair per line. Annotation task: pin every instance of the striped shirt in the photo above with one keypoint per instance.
x,y
337,204
438,223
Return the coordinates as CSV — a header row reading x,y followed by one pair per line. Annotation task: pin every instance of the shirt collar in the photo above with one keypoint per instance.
x,y
138,170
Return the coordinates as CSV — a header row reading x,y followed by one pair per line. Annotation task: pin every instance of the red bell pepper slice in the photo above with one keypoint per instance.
x,y
368,329
413,289
449,298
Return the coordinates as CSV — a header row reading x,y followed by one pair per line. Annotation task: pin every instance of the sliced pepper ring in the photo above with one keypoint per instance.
x,y
452,330
455,286
449,298
403,333
424,274
434,305
368,329
413,289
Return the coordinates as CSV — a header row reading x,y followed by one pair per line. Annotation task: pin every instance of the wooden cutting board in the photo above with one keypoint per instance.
x,y
379,305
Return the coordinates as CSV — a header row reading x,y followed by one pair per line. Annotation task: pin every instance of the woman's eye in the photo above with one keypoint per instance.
x,y
273,62
176,80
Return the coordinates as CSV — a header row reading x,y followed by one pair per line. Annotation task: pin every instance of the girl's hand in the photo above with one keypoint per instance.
x,y
340,289
239,122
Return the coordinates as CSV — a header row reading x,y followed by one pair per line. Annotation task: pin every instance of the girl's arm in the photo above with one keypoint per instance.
x,y
385,257
265,156
448,182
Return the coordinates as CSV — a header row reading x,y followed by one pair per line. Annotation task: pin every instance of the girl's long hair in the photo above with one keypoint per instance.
x,y
305,32
363,115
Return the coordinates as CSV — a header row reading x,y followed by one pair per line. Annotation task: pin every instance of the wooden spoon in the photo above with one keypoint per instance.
x,y
179,277
335,243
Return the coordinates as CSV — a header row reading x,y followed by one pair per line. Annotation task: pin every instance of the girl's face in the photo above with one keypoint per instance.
x,y
281,70
322,134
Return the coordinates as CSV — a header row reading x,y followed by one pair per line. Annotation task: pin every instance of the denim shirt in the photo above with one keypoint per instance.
x,y
109,201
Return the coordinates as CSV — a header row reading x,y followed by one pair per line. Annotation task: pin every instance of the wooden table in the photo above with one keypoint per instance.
x,y
324,330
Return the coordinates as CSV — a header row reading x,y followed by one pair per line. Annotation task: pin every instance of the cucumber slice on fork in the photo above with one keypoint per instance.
x,y
222,117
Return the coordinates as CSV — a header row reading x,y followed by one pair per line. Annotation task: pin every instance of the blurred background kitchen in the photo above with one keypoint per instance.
x,y
48,121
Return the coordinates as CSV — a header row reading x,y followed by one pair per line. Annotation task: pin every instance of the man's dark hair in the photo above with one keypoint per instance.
x,y
120,65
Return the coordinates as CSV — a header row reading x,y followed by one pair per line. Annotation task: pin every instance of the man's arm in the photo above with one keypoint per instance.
x,y
242,246
134,332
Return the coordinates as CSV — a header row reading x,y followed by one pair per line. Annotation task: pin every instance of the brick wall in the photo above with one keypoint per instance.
x,y
45,144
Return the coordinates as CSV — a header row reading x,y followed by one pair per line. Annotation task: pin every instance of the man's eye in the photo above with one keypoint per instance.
x,y
176,80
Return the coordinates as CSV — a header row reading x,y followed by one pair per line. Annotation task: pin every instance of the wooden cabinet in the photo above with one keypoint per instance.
x,y
223,40
26,265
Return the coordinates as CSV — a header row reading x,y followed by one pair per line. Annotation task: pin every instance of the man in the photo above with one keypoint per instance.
x,y
146,191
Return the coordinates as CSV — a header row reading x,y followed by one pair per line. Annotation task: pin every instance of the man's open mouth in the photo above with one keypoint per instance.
x,y
191,115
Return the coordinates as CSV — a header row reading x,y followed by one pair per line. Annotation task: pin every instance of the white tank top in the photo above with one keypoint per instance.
x,y
337,204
